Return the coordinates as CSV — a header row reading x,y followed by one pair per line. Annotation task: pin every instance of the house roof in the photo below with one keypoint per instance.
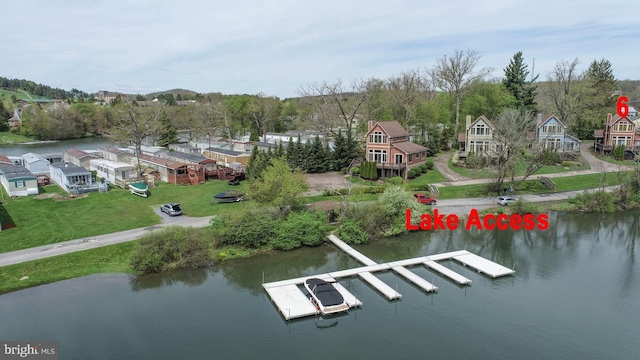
x,y
226,152
5,160
11,172
31,158
112,164
112,150
408,147
161,162
191,157
483,118
78,154
573,137
70,169
531,135
599,133
392,128
545,118
612,119
462,137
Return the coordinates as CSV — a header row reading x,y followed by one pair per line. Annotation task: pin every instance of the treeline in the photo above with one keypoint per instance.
x,y
311,157
40,89
429,104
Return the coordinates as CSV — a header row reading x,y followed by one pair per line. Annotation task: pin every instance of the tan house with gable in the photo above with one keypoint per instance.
x,y
387,144
479,138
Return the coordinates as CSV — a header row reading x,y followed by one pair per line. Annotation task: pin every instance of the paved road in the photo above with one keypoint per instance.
x,y
91,242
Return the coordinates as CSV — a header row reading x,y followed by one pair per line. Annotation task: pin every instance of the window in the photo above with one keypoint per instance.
x,y
480,129
552,144
378,137
568,146
398,158
622,126
551,129
378,156
20,184
410,157
621,140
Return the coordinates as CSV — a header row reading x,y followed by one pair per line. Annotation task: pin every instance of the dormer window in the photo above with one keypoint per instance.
x,y
378,137
480,129
622,126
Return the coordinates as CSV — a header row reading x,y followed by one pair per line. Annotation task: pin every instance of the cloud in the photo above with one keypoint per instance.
x,y
277,46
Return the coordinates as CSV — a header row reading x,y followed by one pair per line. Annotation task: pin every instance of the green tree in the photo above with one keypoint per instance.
x,y
301,228
279,185
487,98
167,133
515,80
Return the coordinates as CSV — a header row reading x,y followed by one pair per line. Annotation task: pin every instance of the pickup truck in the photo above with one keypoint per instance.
x,y
424,199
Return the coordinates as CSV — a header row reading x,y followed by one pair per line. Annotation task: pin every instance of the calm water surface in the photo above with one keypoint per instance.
x,y
56,147
575,295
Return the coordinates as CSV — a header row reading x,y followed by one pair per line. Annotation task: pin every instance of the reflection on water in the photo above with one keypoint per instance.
x,y
574,296
193,277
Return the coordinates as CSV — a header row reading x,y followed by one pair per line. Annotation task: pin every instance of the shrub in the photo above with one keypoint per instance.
x,y
571,163
355,170
396,180
343,170
522,207
307,228
414,173
618,152
170,248
352,233
429,164
417,187
247,227
549,157
595,201
368,170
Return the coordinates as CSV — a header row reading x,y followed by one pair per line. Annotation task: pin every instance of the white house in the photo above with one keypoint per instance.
x,y
73,179
35,163
118,173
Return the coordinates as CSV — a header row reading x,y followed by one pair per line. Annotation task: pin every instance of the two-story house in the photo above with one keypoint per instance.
x,y
551,134
618,131
479,138
387,144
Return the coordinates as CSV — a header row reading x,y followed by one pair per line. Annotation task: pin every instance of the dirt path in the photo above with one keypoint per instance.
x,y
441,162
331,180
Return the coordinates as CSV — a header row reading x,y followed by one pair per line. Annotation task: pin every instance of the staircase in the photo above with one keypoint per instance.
x,y
193,177
354,162
222,174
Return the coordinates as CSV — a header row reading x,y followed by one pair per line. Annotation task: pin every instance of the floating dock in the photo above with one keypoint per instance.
x,y
483,265
292,303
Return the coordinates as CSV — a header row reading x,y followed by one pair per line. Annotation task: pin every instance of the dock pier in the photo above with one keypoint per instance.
x,y
292,303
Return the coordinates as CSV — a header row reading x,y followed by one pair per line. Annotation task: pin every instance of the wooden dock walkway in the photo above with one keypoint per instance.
x,y
292,303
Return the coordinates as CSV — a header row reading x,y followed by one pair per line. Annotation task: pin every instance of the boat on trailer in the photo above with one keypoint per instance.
x,y
326,298
139,188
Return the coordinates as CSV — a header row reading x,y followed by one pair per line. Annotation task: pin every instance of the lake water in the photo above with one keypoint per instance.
x,y
55,147
575,295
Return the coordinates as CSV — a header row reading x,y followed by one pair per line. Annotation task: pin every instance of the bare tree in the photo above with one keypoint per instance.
x,y
133,125
335,104
455,75
565,91
261,110
510,141
405,91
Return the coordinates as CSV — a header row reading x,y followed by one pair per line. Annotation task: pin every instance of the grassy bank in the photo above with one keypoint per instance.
x,y
42,221
8,138
520,169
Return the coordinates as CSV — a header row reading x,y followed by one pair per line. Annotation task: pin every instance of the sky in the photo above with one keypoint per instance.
x,y
277,47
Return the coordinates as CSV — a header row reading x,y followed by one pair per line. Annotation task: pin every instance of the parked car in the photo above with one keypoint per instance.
x,y
505,200
424,199
171,209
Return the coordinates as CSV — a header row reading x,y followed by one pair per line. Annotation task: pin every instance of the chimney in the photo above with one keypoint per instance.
x,y
66,164
468,119
539,118
609,116
369,125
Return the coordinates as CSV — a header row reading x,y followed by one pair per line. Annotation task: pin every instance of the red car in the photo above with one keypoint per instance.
x,y
424,199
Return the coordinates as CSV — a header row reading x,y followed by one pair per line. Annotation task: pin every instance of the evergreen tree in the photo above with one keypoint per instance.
x,y
302,154
280,151
4,116
253,163
516,83
168,133
341,153
291,154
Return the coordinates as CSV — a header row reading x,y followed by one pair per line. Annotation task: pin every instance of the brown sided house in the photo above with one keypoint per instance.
x,y
79,158
387,144
618,131
174,172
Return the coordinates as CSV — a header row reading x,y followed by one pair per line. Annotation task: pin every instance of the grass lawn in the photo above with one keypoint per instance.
x,y
430,177
8,137
47,221
108,259
520,168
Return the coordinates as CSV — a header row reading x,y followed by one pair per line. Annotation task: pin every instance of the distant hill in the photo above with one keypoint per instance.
x,y
185,94
21,95
29,90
